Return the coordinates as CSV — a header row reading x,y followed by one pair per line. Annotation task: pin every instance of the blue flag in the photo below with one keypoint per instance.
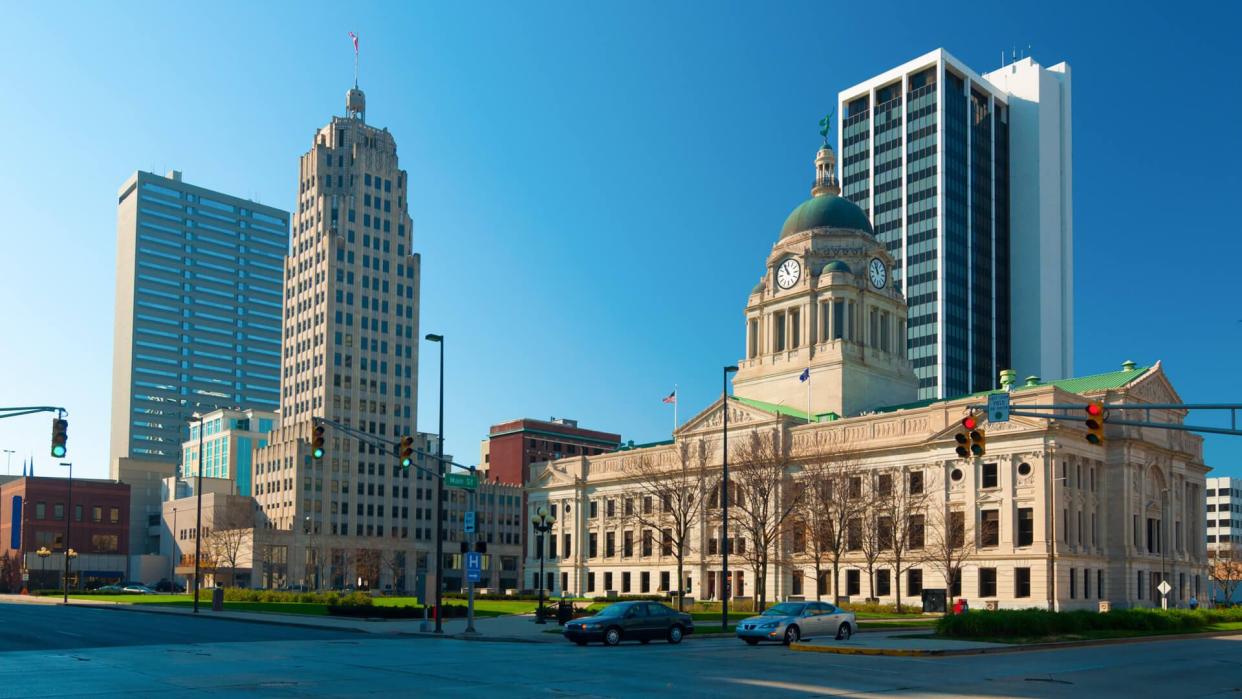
x,y
806,374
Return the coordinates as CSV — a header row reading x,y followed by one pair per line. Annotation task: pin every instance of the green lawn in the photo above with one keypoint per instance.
x,y
482,608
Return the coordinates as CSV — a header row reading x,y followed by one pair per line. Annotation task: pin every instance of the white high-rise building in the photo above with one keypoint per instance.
x,y
966,178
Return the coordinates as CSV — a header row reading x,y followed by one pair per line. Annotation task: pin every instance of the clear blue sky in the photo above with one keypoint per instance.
x,y
594,187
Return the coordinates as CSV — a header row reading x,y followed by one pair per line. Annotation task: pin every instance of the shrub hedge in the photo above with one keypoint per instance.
x,y
241,594
1034,623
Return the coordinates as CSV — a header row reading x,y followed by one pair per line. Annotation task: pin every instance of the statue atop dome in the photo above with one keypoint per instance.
x,y
825,126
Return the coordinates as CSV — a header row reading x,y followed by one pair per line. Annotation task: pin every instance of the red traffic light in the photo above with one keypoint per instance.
x,y
1095,409
969,422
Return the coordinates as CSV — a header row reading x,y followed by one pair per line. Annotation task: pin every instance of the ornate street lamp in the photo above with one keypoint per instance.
x,y
542,522
43,553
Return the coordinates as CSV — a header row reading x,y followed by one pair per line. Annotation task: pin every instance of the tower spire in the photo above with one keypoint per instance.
x,y
825,163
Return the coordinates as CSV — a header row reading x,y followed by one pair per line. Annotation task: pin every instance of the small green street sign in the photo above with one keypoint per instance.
x,y
468,481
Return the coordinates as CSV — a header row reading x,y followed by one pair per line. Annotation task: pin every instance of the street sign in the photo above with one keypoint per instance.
x,y
470,521
474,566
1164,587
468,481
998,407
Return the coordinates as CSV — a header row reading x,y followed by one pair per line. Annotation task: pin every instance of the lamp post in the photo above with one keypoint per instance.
x,y
68,523
198,519
542,522
439,339
43,553
8,466
724,495
69,556
1164,596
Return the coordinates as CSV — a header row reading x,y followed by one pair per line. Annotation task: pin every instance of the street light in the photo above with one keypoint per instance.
x,y
43,553
724,490
68,523
439,339
542,521
198,520
69,556
1052,548
1164,596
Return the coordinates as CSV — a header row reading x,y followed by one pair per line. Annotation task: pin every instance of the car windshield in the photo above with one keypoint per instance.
x,y
613,610
784,609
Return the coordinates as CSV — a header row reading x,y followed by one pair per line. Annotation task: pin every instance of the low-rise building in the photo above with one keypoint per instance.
x,y
1224,537
498,524
38,513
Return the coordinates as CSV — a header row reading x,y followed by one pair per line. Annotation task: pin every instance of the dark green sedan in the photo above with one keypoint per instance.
x,y
630,621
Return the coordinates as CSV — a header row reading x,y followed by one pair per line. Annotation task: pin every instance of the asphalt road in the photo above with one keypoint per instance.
x,y
261,660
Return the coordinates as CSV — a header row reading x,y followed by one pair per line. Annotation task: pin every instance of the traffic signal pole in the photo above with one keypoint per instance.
x,y
1233,408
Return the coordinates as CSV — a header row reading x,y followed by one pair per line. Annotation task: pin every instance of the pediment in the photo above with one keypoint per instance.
x,y
712,418
1015,424
1154,387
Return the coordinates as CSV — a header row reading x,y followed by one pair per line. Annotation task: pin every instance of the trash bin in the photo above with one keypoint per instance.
x,y
564,612
934,600
217,599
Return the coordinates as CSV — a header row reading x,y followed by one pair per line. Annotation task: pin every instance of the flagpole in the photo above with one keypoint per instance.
x,y
675,408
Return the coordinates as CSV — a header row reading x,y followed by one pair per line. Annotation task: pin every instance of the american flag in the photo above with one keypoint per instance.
x,y
806,374
671,398
354,38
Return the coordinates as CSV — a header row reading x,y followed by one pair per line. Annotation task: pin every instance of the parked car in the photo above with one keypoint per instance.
x,y
110,589
625,621
166,585
789,621
137,589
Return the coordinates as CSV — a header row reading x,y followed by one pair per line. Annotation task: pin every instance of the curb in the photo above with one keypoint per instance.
x,y
993,650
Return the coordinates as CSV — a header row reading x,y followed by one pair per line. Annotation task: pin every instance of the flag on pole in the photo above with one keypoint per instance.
x,y
806,375
671,398
354,37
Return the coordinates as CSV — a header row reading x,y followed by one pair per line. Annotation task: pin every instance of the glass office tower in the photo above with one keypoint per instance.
x,y
198,310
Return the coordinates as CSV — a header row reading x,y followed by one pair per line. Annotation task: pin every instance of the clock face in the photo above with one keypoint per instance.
x,y
877,272
788,273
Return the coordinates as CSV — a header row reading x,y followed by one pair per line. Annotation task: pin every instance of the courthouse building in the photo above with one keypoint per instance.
x,y
1052,519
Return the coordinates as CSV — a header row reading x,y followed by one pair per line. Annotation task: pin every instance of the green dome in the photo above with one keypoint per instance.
x,y
827,211
837,266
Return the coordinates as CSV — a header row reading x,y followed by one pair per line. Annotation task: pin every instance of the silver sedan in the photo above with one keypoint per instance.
x,y
789,621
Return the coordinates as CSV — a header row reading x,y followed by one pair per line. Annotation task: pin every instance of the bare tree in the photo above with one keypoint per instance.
x,y
1225,568
826,508
368,562
876,534
905,511
765,501
393,561
231,534
950,542
671,499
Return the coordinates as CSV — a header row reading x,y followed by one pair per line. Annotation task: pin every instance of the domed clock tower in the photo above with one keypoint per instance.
x,y
824,325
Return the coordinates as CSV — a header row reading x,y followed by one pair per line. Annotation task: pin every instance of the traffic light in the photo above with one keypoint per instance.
x,y
407,452
971,441
317,441
60,435
1095,422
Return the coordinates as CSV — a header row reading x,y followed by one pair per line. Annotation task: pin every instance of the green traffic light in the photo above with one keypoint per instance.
x,y
405,463
317,453
58,450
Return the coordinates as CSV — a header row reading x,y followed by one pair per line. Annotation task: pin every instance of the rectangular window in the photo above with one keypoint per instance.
x,y
627,544
914,581
114,515
608,582
989,531
96,513
610,546
1026,526
916,483
593,545
610,507
990,476
1021,582
779,340
590,582
917,531
1086,583
552,546
647,542
853,584
666,542
625,581
957,529
987,582
883,583
1073,579
58,510
569,551
1099,584
644,582
41,510
594,509
664,578
795,329
838,319
795,586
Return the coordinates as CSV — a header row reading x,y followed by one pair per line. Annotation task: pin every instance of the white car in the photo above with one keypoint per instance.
x,y
137,589
788,622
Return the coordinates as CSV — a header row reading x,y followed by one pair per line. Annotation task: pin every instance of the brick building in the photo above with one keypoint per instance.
x,y
511,447
33,513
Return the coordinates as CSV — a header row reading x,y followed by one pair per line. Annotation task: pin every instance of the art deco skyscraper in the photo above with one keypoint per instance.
x,y
350,354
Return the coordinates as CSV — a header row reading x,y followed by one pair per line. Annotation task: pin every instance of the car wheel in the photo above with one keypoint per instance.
x,y
751,641
844,633
674,634
612,636
792,634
